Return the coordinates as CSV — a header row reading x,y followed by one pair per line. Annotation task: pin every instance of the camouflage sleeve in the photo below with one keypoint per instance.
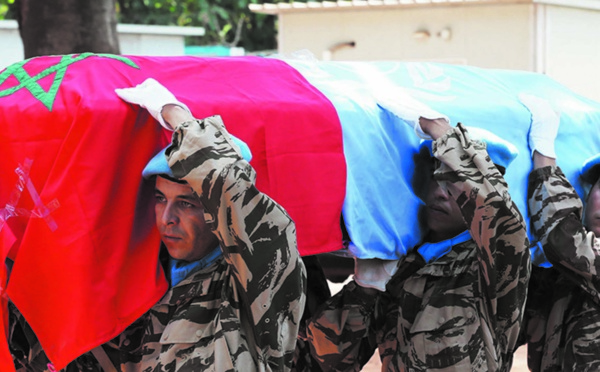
x,y
551,198
257,236
495,224
340,333
556,217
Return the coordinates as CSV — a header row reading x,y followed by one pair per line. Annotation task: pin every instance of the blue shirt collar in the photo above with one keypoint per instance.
x,y
179,269
433,251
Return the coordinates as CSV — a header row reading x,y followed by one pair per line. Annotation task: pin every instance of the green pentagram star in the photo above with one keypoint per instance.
x,y
31,82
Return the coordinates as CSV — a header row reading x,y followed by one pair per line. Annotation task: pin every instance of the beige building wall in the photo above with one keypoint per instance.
x,y
560,38
499,36
572,48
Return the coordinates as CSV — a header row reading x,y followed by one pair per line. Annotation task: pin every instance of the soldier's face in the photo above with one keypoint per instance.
x,y
180,221
443,215
592,210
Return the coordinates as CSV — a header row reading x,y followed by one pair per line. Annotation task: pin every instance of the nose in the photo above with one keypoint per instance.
x,y
439,192
169,215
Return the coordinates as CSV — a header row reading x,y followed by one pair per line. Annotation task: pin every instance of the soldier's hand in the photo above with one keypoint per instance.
x,y
435,128
152,96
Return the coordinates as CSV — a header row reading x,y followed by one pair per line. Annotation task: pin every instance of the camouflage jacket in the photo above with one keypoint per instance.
x,y
242,312
563,309
462,312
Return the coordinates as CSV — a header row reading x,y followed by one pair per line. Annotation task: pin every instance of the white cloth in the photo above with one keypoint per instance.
x,y
400,103
152,96
374,273
544,124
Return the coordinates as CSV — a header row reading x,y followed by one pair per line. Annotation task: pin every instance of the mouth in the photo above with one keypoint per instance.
x,y
437,209
170,238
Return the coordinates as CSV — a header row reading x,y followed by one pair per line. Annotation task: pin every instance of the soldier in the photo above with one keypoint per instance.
x,y
455,302
237,283
563,307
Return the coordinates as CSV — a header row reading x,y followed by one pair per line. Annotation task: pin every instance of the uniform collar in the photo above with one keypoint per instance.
x,y
433,251
179,269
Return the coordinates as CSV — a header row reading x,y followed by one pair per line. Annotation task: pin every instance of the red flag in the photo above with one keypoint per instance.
x,y
86,259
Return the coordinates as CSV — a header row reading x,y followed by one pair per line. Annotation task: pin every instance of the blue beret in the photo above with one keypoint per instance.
x,y
500,151
591,170
159,165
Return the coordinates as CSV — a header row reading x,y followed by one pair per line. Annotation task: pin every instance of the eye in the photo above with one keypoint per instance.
x,y
187,205
160,198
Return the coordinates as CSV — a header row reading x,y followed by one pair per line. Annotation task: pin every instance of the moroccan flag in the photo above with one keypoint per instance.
x,y
85,247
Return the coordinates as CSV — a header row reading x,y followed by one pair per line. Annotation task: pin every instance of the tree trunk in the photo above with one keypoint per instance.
x,y
50,27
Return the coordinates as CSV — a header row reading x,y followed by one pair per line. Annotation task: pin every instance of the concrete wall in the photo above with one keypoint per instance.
x,y
10,43
133,39
155,40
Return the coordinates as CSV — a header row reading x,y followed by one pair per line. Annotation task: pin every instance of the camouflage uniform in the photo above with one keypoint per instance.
x,y
460,313
563,310
242,312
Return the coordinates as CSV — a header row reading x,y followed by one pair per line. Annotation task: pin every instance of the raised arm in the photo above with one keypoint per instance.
x,y
257,236
555,207
493,220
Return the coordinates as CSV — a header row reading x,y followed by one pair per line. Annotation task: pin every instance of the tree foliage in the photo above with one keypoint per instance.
x,y
227,22
7,9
